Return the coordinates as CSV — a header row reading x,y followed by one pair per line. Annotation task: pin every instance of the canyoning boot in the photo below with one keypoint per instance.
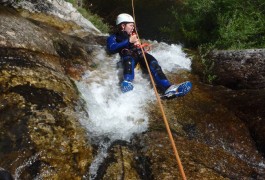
x,y
126,86
177,90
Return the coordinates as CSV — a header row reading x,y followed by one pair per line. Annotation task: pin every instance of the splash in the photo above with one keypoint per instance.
x,y
171,57
112,114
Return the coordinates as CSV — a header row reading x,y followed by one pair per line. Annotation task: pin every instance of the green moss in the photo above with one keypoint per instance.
x,y
72,2
93,18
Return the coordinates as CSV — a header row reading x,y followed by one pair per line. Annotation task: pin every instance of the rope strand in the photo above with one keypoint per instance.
x,y
160,105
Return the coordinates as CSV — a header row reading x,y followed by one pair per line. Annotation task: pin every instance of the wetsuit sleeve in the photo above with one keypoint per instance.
x,y
114,46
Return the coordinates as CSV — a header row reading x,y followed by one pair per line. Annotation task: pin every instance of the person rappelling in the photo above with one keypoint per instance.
x,y
126,43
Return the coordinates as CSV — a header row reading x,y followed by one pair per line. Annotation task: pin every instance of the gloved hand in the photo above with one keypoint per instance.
x,y
134,39
126,86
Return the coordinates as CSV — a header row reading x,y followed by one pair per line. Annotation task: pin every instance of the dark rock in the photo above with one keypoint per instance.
x,y
212,141
239,69
40,135
121,163
243,70
248,105
5,175
6,2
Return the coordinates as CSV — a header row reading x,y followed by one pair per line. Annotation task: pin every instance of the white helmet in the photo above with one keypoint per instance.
x,y
124,18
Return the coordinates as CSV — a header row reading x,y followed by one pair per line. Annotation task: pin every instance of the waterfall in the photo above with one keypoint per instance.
x,y
118,116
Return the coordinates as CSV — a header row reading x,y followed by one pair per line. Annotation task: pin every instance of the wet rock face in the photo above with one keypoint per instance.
x,y
67,53
40,133
5,175
6,2
248,105
17,32
120,163
32,76
212,141
240,69
125,161
245,71
63,13
244,74
41,138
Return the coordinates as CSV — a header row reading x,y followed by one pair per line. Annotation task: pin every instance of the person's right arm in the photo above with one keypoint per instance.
x,y
114,46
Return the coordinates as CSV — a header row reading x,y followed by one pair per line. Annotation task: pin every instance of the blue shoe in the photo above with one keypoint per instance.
x,y
126,86
178,90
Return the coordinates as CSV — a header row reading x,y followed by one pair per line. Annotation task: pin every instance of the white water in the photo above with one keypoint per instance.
x,y
112,114
170,57
118,115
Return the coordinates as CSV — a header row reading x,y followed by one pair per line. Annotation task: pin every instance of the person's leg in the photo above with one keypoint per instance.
x,y
162,82
128,73
159,77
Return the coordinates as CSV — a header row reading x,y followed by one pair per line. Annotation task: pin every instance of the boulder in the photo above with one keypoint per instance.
x,y
239,69
41,137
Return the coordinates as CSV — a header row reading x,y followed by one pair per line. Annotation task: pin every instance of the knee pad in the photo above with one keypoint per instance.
x,y
157,71
159,77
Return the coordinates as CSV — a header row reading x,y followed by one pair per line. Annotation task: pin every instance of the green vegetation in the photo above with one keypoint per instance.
x,y
93,18
208,64
221,24
71,1
225,24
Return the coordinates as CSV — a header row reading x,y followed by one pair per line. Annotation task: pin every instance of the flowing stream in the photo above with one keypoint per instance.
x,y
112,116
116,116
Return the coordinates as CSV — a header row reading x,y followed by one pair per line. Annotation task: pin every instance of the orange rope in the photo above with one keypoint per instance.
x,y
161,106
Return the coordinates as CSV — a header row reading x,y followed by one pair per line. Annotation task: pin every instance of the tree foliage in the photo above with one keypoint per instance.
x,y
226,24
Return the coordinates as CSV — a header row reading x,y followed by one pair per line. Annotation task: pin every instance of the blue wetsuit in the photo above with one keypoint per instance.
x,y
131,56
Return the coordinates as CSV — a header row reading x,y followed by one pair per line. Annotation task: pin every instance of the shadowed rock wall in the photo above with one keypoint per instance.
x,y
239,69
